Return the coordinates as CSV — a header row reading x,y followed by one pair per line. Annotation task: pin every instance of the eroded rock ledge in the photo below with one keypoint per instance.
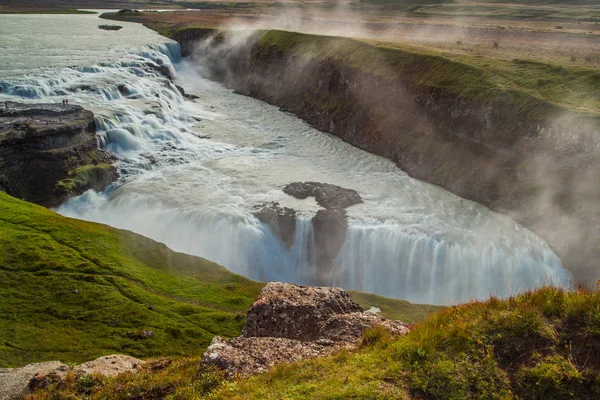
x,y
49,152
289,323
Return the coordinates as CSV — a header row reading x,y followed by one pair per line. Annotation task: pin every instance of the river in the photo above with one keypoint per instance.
x,y
193,170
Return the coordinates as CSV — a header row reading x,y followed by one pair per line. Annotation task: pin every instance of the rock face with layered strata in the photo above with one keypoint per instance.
x,y
49,152
289,323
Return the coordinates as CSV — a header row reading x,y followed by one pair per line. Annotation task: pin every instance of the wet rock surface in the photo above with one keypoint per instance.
x,y
329,224
281,220
289,323
15,382
327,195
330,233
42,145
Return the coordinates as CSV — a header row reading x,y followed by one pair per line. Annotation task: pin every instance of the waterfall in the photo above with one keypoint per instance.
x,y
191,173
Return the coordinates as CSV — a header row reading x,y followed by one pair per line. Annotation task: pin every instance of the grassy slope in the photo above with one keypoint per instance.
x,y
539,345
395,309
74,290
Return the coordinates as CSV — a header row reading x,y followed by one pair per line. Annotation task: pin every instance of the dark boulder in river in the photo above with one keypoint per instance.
x,y
327,195
49,152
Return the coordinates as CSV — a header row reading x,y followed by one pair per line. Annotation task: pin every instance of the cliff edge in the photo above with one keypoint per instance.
x,y
49,152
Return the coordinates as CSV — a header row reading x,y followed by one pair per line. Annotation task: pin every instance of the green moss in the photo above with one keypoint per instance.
x,y
556,377
84,177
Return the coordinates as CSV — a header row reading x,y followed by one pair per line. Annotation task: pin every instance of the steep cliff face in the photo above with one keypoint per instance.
x,y
440,120
49,152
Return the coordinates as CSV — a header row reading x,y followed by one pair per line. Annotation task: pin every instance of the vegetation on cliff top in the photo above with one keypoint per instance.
x,y
536,89
538,345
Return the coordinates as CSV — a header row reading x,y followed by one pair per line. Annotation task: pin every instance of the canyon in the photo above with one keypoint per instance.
x,y
440,120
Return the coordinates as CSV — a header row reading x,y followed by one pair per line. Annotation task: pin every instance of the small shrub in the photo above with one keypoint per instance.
x,y
554,377
588,58
496,45
573,58
460,378
375,335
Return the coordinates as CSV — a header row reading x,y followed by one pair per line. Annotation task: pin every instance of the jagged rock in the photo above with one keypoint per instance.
x,y
285,310
327,196
14,382
251,355
289,323
109,365
186,95
281,220
124,90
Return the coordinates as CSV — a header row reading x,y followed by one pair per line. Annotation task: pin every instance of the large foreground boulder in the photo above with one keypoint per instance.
x,y
285,310
289,323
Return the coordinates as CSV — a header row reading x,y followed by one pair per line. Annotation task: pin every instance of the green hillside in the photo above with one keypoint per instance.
x,y
73,290
539,345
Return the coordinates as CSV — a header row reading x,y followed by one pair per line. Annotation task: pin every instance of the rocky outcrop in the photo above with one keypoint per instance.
x,y
505,149
15,382
281,220
327,195
49,152
329,224
329,227
289,323
112,365
284,310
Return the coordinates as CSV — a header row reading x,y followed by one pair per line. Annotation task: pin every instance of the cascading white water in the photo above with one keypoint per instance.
x,y
408,240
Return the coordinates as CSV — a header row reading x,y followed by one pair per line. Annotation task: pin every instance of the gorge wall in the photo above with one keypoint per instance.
x,y
440,120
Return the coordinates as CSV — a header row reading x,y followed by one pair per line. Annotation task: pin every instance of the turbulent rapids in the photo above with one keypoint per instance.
x,y
192,172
